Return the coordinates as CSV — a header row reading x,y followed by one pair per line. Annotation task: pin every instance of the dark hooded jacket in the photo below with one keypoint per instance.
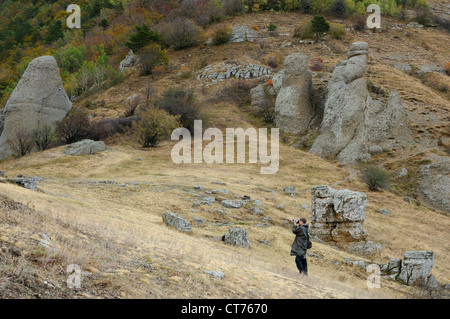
x,y
300,241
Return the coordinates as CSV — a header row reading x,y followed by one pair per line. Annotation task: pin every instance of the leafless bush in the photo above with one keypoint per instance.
x,y
182,33
21,142
74,127
43,137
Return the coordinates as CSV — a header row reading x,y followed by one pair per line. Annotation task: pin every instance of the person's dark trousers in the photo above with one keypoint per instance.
x,y
302,265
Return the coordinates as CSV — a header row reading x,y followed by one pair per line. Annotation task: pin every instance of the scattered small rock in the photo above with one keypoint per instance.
x,y
400,172
290,190
407,199
215,274
198,220
383,211
256,211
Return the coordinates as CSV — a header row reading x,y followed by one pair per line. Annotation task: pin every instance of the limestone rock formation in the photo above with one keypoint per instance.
x,y
260,101
130,62
238,237
337,215
353,123
176,221
293,109
243,33
434,184
226,70
85,147
416,267
39,99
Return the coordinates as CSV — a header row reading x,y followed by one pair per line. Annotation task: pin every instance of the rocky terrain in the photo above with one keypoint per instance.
x,y
140,225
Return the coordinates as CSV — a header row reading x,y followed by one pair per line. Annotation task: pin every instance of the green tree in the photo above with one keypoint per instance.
x,y
55,32
70,58
319,26
142,37
103,58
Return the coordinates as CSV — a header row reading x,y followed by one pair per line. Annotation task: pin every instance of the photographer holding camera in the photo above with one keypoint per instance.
x,y
301,244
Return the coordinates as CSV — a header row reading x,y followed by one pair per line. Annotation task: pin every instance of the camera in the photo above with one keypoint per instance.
x,y
297,221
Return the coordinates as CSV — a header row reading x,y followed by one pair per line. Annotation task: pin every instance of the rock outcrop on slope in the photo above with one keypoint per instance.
x,y
130,62
293,108
226,70
416,267
39,99
434,184
337,217
85,147
237,236
176,221
353,123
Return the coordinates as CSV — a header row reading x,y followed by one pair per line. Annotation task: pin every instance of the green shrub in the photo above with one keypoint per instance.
x,y
151,56
375,178
304,30
337,31
222,36
272,26
154,125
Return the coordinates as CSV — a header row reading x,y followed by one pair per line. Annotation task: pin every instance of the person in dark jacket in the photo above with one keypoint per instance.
x,y
301,231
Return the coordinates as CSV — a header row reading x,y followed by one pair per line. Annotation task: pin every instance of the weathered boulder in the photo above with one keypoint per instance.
x,y
237,237
26,182
293,108
416,267
131,61
85,147
353,123
366,248
383,211
232,203
277,81
434,184
337,215
259,98
243,33
39,99
179,223
427,68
